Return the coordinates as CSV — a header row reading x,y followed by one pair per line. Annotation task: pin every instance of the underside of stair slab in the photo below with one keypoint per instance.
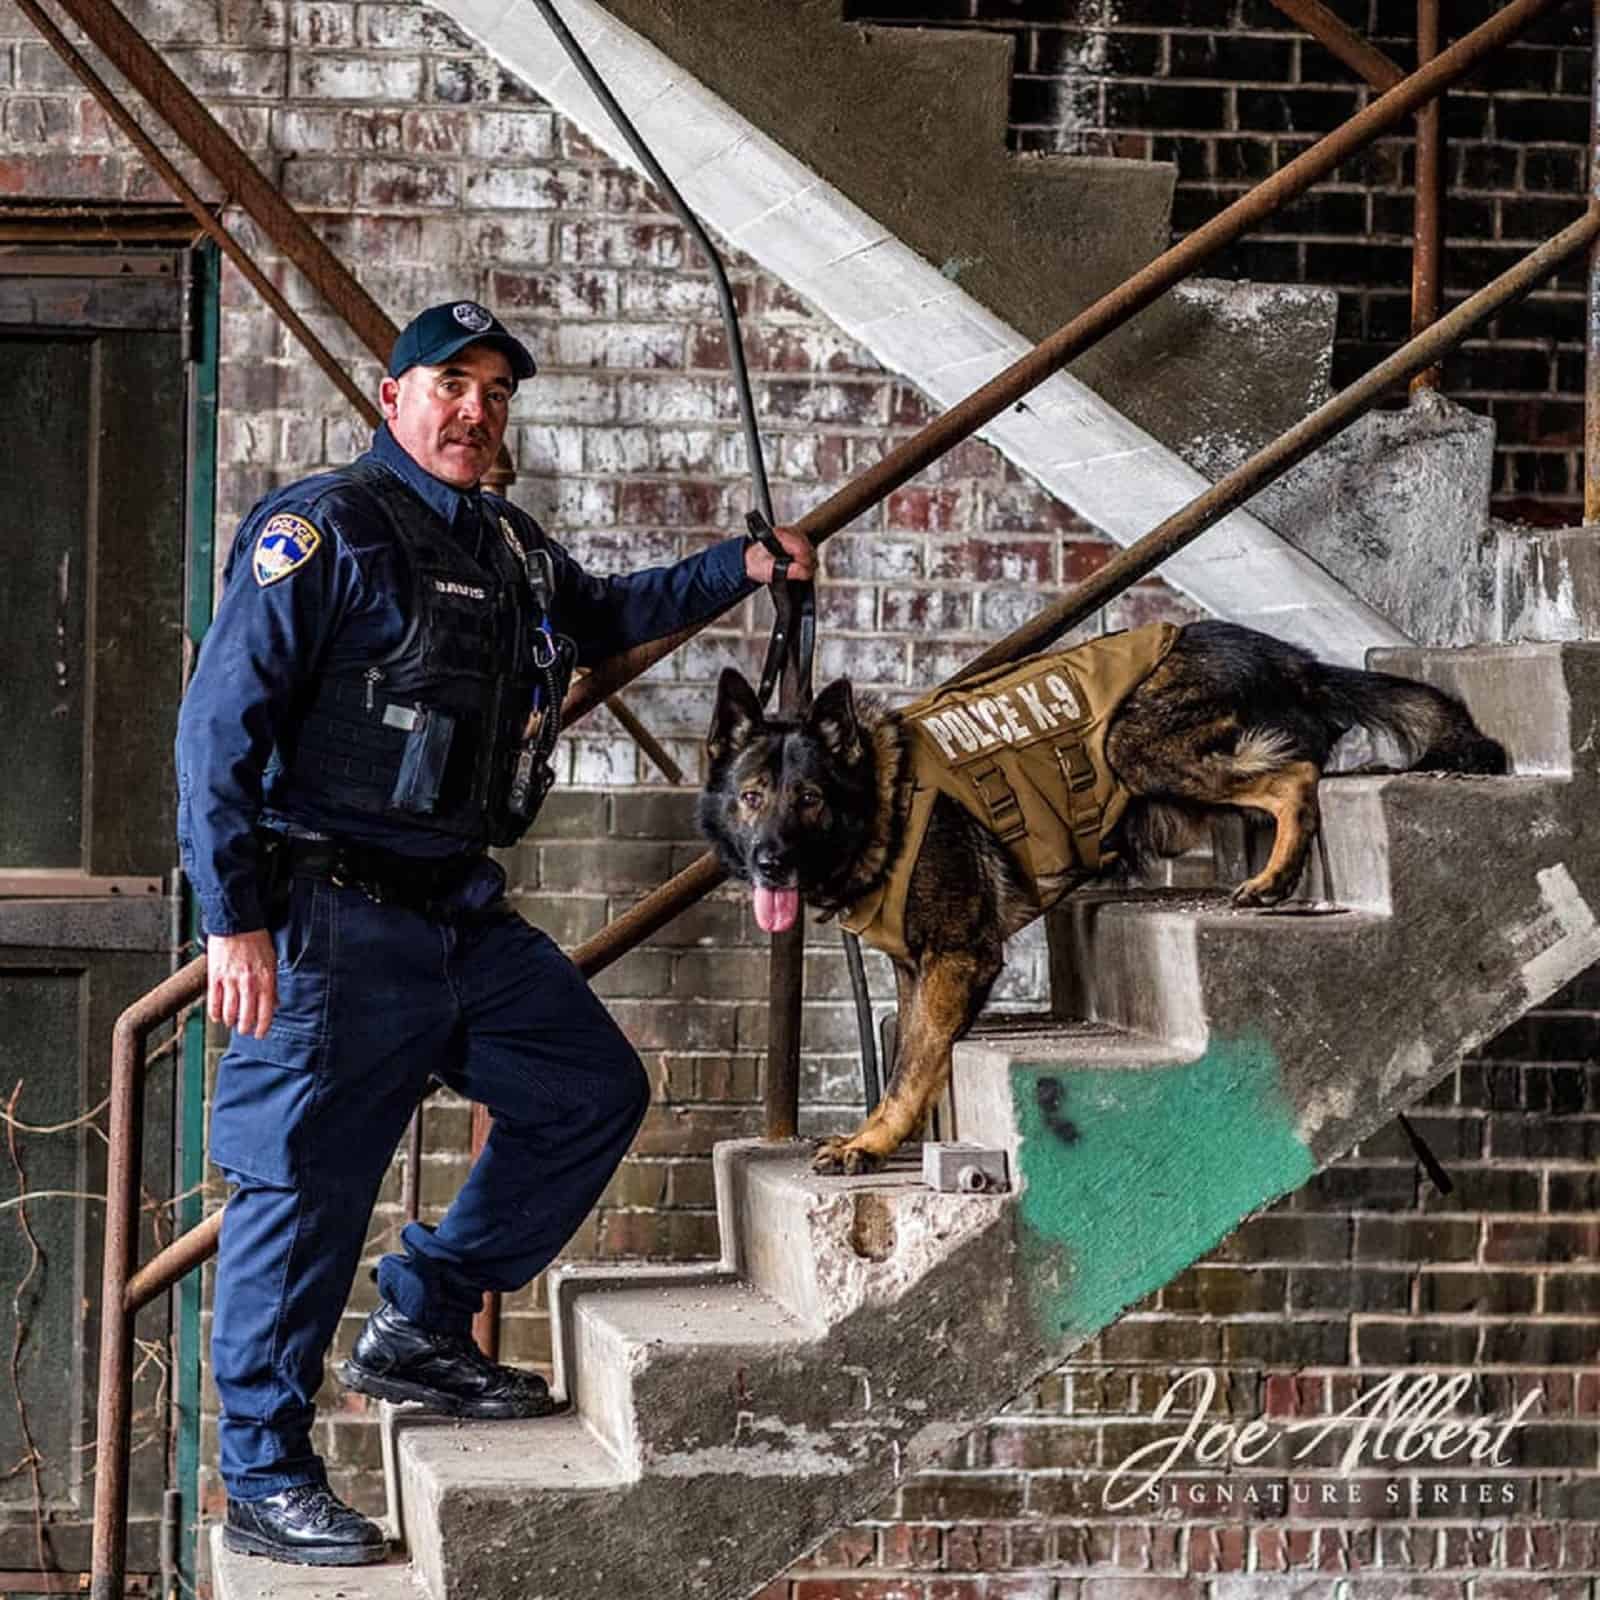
x,y
950,322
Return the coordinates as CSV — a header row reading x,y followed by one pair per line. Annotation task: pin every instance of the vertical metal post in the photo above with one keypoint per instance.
x,y
1591,419
1427,248
486,1325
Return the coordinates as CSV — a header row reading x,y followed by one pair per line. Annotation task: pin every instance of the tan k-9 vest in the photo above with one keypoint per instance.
x,y
1022,748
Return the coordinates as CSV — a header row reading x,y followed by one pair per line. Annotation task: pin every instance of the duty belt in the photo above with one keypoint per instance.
x,y
414,883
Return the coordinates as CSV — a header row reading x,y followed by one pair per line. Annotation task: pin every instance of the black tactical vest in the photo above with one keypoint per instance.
x,y
456,724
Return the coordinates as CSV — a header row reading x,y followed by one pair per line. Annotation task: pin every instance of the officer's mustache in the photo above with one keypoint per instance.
x,y
473,436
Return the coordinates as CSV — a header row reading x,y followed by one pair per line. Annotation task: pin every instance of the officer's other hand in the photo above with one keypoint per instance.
x,y
242,980
758,562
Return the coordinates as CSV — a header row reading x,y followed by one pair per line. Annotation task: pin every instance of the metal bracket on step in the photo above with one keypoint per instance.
x,y
956,1168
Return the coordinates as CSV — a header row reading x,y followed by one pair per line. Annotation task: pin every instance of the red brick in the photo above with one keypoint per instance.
x,y
912,1545
857,1589
1218,1549
849,1547
975,1547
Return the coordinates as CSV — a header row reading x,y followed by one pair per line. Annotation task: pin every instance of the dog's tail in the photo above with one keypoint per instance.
x,y
1434,729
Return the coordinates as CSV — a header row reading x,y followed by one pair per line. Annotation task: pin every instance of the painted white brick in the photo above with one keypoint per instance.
x,y
516,188
618,450
618,345
675,400
602,761
298,130
513,135
37,119
410,27
553,292
572,397
335,76
318,181
323,24
623,244
257,73
403,185
503,240
546,448
862,657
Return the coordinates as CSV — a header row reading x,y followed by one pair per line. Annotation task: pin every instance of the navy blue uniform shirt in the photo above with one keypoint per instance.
x,y
346,602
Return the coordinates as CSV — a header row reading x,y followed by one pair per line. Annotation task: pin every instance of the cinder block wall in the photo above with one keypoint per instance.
x,y
1230,90
435,175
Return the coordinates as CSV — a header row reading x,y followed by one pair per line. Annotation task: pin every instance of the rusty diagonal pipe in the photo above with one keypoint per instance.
x,y
1110,312
1341,40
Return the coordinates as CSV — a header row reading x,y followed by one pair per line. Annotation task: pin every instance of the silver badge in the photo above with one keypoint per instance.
x,y
471,317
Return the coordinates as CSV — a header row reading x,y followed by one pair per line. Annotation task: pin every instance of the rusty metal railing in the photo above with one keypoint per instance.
x,y
126,1288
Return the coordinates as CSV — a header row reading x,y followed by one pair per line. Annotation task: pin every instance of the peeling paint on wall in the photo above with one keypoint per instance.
x,y
1162,1164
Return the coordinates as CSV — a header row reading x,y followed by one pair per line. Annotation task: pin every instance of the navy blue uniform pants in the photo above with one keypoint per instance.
x,y
372,1001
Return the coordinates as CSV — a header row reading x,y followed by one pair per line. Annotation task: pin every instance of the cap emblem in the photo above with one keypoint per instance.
x,y
471,317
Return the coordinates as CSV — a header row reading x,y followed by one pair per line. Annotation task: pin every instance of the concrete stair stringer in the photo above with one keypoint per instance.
x,y
915,312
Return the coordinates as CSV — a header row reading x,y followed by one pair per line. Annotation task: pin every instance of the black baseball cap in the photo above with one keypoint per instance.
x,y
433,336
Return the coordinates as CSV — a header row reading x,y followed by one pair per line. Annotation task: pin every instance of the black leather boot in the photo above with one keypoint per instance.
x,y
308,1525
395,1359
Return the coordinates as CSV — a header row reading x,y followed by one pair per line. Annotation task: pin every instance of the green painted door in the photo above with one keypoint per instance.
x,y
93,393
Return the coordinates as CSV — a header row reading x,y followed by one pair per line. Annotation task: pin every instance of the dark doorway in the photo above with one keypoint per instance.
x,y
94,374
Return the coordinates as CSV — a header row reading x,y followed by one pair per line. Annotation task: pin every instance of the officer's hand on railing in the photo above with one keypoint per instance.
x,y
758,561
242,980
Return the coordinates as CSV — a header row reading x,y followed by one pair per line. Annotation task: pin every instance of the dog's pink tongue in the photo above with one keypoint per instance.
x,y
776,909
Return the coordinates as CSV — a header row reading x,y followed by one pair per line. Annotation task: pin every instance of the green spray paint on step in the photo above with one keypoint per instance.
x,y
1133,1174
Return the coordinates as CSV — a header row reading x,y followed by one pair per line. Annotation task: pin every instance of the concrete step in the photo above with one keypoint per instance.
x,y
239,1577
1539,700
1139,963
459,1483
647,1356
828,1248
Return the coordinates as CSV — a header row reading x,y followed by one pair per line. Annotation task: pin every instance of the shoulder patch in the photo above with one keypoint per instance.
x,y
284,545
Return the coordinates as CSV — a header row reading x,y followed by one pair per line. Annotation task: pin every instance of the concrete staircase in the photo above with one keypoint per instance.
x,y
1199,1062
867,168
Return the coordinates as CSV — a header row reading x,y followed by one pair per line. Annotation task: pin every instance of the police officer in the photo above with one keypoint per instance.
x,y
375,704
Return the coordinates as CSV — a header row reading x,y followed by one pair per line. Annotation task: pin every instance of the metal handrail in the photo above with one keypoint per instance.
x,y
119,1303
1107,314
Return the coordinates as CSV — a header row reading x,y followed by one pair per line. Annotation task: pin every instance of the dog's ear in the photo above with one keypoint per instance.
x,y
735,717
832,722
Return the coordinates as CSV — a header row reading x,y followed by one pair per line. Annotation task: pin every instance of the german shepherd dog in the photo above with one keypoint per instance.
x,y
816,807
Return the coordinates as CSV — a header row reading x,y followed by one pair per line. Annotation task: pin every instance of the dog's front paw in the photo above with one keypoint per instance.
x,y
841,1155
1259,892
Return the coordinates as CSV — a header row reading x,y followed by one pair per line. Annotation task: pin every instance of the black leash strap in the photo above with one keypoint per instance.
x,y
794,622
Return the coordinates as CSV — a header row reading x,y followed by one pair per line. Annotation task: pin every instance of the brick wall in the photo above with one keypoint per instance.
x,y
1229,90
435,175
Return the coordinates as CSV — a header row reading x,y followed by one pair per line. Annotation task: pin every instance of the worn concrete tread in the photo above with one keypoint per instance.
x,y
1085,1043
549,1453
698,1317
240,1577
